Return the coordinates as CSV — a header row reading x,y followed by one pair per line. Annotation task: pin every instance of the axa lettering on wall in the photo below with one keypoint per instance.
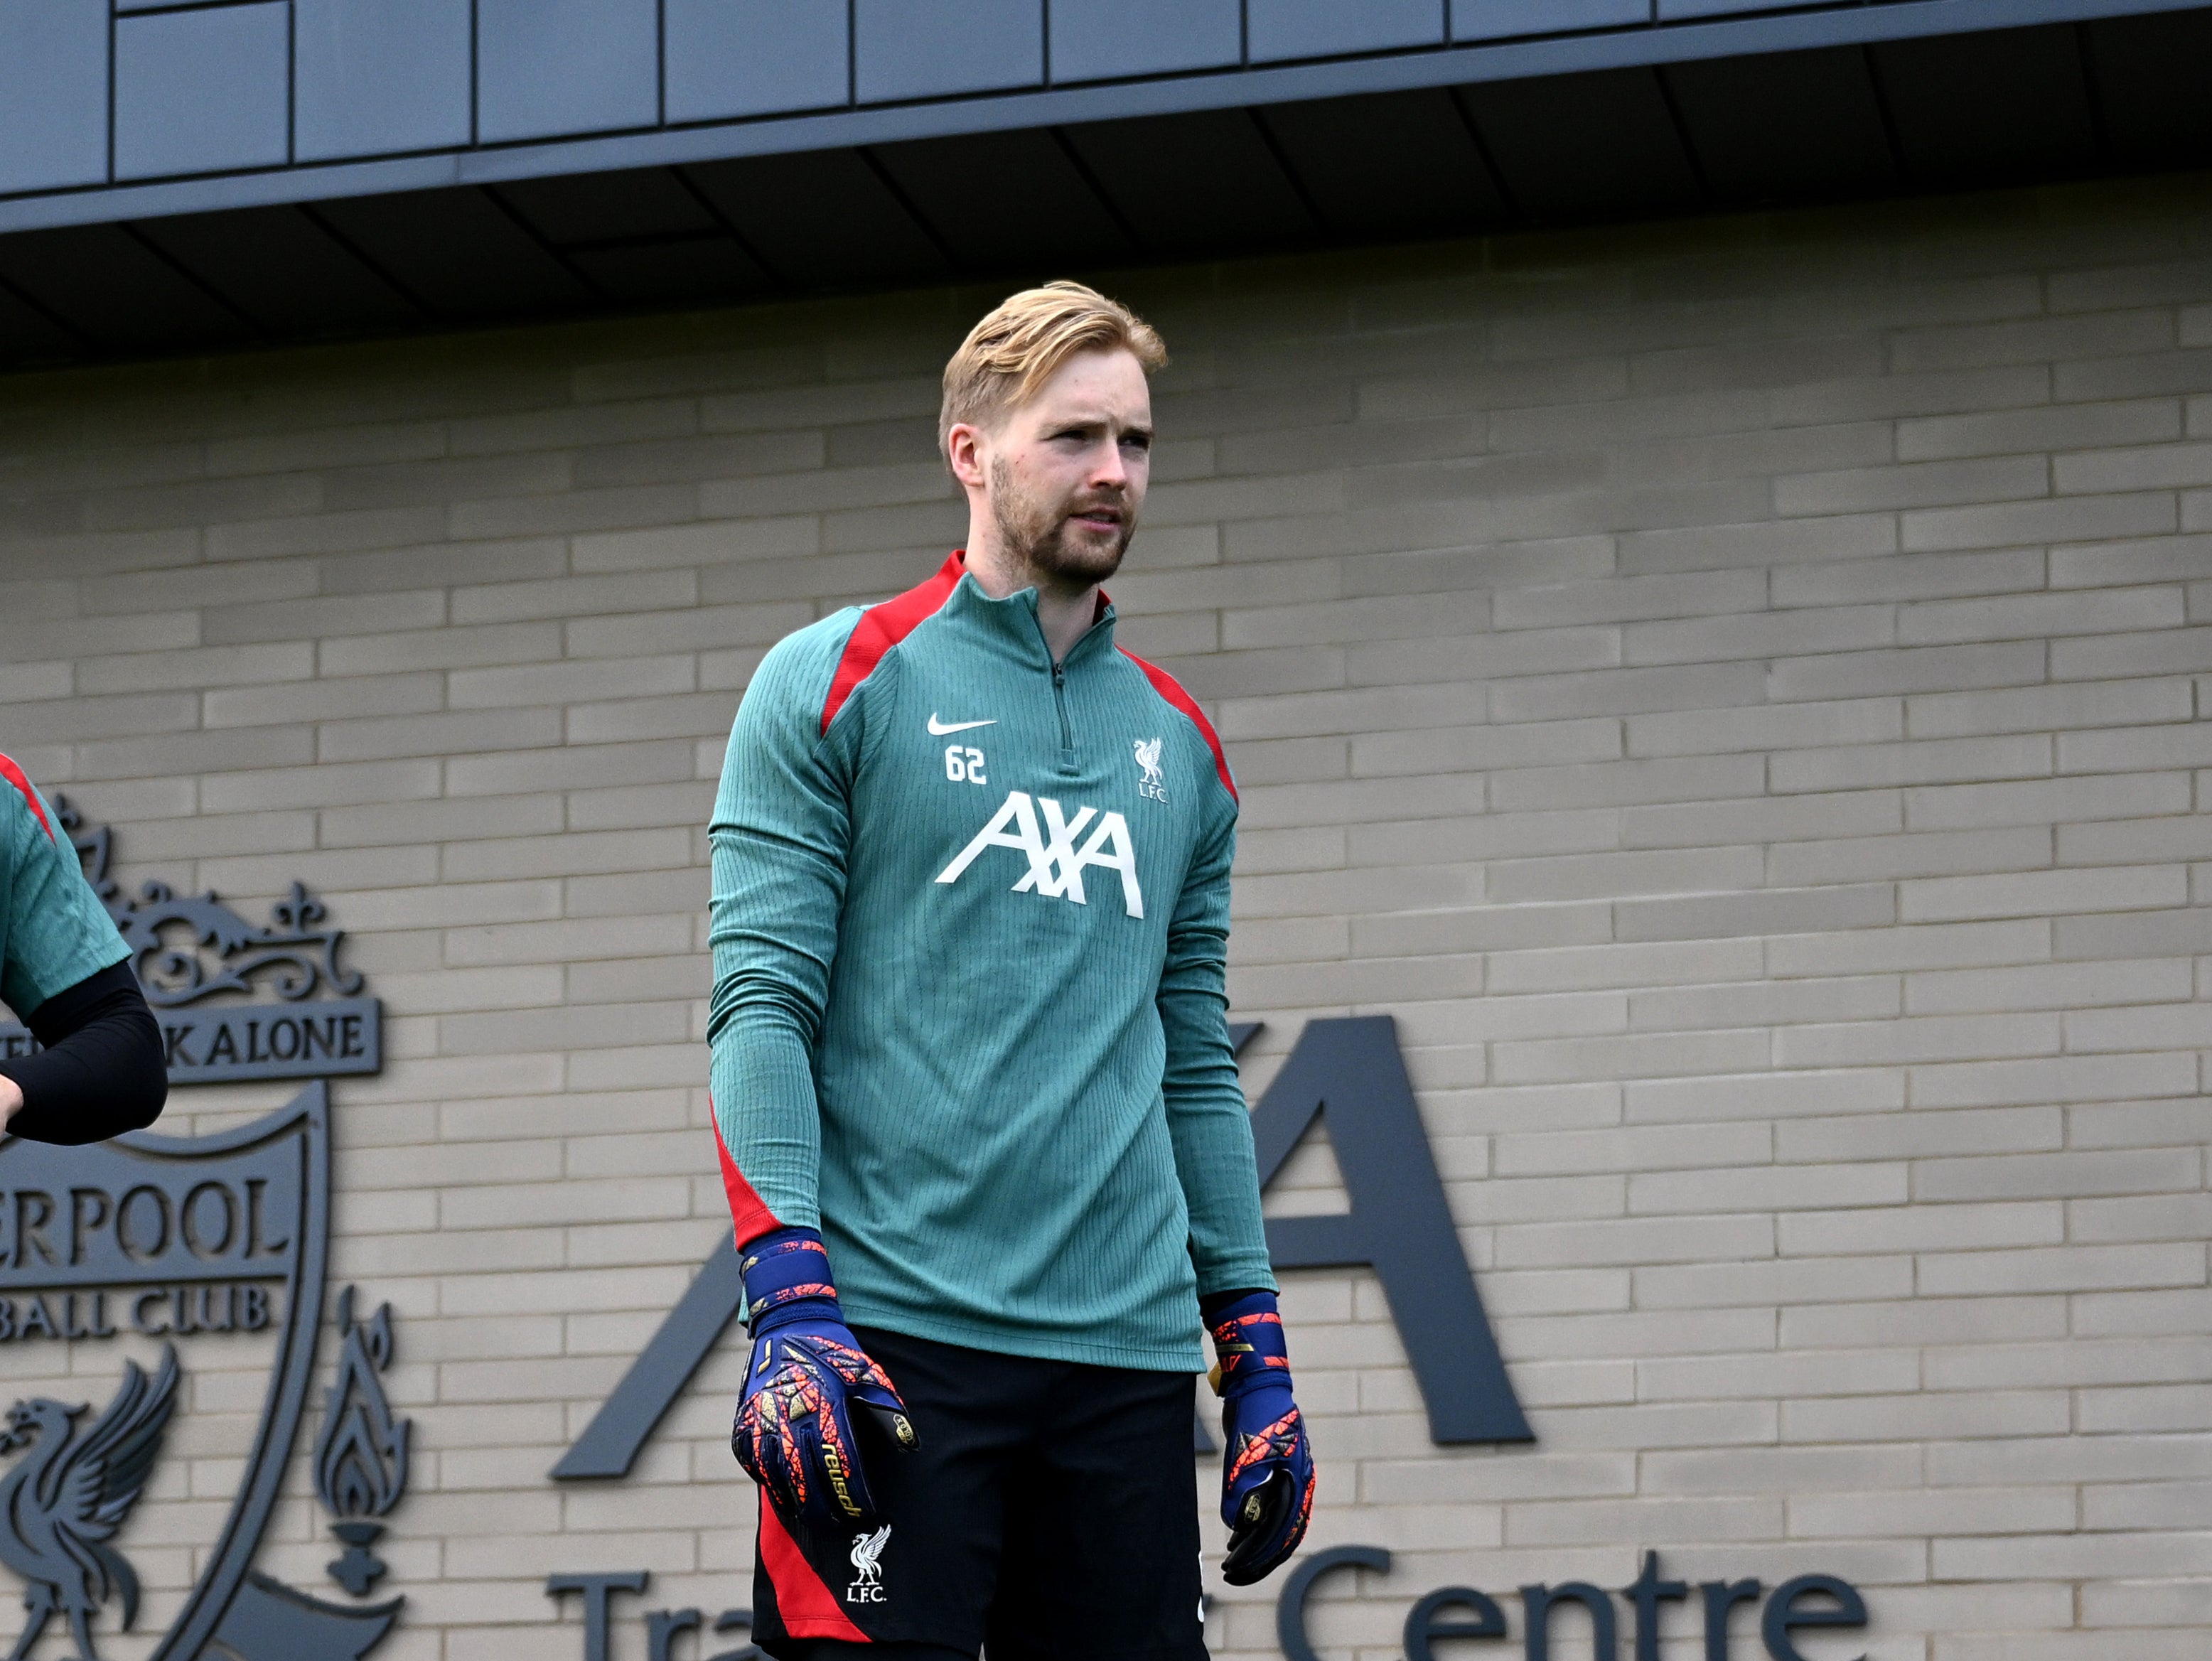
x,y
1349,1071
192,1268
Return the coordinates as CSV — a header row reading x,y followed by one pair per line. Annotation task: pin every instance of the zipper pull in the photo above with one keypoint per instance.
x,y
1059,676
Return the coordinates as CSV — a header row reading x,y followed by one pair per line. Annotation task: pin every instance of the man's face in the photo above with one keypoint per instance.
x,y
1064,474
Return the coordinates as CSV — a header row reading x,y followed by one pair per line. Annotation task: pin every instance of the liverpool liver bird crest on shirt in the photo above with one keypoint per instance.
x,y
1153,783
68,1495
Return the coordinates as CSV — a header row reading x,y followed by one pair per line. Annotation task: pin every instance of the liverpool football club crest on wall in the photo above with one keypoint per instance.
x,y
163,1309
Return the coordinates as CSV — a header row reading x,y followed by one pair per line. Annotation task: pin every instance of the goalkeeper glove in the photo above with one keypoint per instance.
x,y
793,1432
1267,1471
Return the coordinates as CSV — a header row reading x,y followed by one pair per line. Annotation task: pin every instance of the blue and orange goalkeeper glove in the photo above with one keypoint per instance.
x,y
1267,1471
793,1432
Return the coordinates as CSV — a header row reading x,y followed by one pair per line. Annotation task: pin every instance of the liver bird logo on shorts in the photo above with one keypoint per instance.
x,y
866,1552
1148,757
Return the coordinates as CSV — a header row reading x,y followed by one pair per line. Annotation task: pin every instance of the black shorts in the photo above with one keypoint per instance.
x,y
1051,1510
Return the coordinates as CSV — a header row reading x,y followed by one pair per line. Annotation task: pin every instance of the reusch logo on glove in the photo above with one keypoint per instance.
x,y
808,1382
1055,862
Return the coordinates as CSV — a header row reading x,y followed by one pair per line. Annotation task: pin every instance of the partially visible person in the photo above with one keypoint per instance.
x,y
65,971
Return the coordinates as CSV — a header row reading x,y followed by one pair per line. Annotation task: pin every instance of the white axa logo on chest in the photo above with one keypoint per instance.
x,y
1055,862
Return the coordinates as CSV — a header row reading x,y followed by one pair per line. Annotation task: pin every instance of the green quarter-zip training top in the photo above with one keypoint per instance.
x,y
54,932
969,925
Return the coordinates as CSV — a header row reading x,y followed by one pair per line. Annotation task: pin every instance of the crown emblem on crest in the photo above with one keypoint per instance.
x,y
170,934
235,1000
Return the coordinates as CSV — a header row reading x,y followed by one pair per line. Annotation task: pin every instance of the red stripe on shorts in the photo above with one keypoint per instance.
x,y
806,1607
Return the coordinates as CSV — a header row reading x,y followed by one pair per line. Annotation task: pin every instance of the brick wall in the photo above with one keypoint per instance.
x,y
1731,691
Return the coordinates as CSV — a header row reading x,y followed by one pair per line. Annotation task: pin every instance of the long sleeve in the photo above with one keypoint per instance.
x,y
778,838
99,1071
1207,1120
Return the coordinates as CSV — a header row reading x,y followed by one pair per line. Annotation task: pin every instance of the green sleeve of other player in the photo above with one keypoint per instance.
x,y
54,932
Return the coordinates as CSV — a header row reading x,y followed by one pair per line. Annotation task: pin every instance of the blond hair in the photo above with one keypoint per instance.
x,y
1026,338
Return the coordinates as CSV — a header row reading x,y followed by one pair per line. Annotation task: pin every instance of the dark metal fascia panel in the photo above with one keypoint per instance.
x,y
1854,25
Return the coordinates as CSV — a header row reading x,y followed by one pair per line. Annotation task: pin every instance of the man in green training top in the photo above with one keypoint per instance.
x,y
979,1121
64,969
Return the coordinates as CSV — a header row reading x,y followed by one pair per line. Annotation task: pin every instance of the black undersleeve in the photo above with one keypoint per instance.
x,y
101,1072
1214,1302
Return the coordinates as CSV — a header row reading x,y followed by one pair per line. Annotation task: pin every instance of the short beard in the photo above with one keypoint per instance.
x,y
1037,537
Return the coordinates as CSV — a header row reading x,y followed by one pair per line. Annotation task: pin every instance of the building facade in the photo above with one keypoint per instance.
x,y
1730,689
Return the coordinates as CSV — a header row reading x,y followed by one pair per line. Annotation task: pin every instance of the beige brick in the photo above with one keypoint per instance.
x,y
1917,1039
1761,634
2066,518
2032,894
2072,1078
2027,755
64,720
2035,339
558,768
565,683
1915,484
328,786
439,648
2021,616
1939,808
1919,669
2064,1268
1731,690
1616,600
1933,853
453,733
2055,427
1914,393
2030,708
36,638
1924,576
1721,915
2053,986
567,597
1777,542
322,619
2147,467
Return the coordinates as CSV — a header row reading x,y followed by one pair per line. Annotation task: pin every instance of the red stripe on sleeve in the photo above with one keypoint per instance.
x,y
882,627
14,774
1171,689
807,1608
748,1210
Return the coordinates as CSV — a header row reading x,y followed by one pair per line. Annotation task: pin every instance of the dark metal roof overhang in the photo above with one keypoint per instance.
x,y
1742,111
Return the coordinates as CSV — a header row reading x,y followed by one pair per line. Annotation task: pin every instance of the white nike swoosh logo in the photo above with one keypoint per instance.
x,y
938,729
